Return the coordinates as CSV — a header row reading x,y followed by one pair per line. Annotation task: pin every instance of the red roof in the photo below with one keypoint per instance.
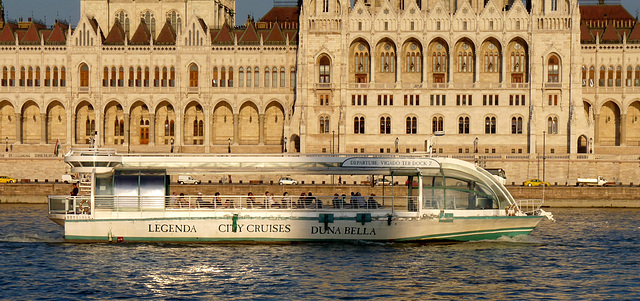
x,y
635,33
282,14
32,36
610,34
604,12
7,34
142,35
275,36
249,36
116,35
57,35
167,35
223,36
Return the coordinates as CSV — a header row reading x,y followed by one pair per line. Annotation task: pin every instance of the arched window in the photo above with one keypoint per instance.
x,y
490,125
554,69
146,76
412,125
601,79
256,77
241,77
385,125
552,125
266,77
30,77
358,125
516,125
22,76
112,82
249,80
156,77
282,77
230,76
55,76
463,125
584,76
116,127
274,77
193,75
84,76
164,76
629,76
437,124
610,76
324,124
214,77
172,77
325,70
139,77
105,77
121,77
636,78
123,18
37,81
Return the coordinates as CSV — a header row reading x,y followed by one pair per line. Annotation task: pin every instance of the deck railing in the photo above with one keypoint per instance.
x,y
80,205
529,206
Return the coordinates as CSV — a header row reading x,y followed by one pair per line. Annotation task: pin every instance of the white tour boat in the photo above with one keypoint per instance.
x,y
130,200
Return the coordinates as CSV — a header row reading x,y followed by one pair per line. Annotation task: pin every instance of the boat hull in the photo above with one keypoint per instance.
x,y
252,229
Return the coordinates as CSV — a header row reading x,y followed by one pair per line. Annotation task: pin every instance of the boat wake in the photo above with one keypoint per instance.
x,y
30,238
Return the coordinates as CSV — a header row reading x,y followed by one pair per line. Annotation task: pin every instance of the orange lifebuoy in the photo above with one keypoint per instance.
x,y
84,209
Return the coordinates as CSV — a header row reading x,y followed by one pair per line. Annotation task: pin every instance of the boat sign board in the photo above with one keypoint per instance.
x,y
390,163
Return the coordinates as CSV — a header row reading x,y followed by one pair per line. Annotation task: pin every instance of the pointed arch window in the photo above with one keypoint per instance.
x,y
139,77
490,125
55,76
463,125
112,82
516,125
324,124
385,125
249,78
241,77
37,80
214,77
412,125
554,69
437,124
358,125
552,125
84,76
325,70
121,77
256,77
193,75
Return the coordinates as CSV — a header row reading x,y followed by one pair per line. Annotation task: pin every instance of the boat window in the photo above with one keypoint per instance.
x,y
457,193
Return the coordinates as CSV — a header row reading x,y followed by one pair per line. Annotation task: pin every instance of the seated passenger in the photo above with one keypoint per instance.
x,y
217,202
362,203
200,203
181,202
337,202
310,200
302,200
251,201
269,202
173,200
372,203
286,200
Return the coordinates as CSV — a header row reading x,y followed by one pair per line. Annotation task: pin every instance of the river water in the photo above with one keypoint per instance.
x,y
586,254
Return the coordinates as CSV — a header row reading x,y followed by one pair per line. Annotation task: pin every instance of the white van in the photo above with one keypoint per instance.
x,y
187,180
69,179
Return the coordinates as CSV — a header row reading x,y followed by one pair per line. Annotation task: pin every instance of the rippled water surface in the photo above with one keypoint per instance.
x,y
586,254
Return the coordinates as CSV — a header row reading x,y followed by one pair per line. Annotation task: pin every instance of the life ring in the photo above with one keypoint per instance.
x,y
84,209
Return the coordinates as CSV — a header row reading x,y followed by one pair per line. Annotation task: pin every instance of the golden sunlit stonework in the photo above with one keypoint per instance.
x,y
485,77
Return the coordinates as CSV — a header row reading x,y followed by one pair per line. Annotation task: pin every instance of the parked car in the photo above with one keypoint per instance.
x,y
187,180
69,179
287,181
599,181
5,179
536,182
382,181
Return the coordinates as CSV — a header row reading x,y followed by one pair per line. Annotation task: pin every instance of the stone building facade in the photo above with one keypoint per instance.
x,y
504,77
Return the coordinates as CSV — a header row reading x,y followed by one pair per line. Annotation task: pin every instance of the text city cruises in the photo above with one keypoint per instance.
x,y
130,200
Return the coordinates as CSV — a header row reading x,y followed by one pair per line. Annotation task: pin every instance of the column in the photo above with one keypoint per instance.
x,y
127,129
372,68
207,131
503,66
596,129
398,69
178,132
102,125
152,129
623,129
18,128
43,128
260,129
71,126
236,118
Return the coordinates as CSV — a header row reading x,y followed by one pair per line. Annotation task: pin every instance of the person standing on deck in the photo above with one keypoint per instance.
x,y
74,191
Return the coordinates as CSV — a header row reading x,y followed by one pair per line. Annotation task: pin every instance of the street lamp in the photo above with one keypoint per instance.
x,y
6,144
397,144
285,144
172,141
229,146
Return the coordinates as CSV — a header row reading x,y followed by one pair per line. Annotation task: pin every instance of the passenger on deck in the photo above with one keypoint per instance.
x,y
74,191
353,201
200,203
251,201
173,200
310,200
302,200
337,202
362,203
217,202
372,203
269,201
181,202
344,201
286,200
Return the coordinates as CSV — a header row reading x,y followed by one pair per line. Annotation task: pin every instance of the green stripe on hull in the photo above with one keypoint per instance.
x,y
461,236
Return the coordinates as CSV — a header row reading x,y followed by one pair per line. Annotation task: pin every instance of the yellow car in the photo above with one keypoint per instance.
x,y
5,179
536,182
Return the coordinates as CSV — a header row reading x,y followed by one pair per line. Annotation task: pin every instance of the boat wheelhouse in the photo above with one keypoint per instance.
x,y
129,198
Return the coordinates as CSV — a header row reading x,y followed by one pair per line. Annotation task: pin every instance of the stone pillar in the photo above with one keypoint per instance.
x,y
236,118
102,125
372,68
596,129
178,131
72,141
127,129
623,129
207,131
18,128
260,129
43,128
398,70
152,129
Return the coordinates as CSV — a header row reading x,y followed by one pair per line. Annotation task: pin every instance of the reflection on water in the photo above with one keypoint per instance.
x,y
586,254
